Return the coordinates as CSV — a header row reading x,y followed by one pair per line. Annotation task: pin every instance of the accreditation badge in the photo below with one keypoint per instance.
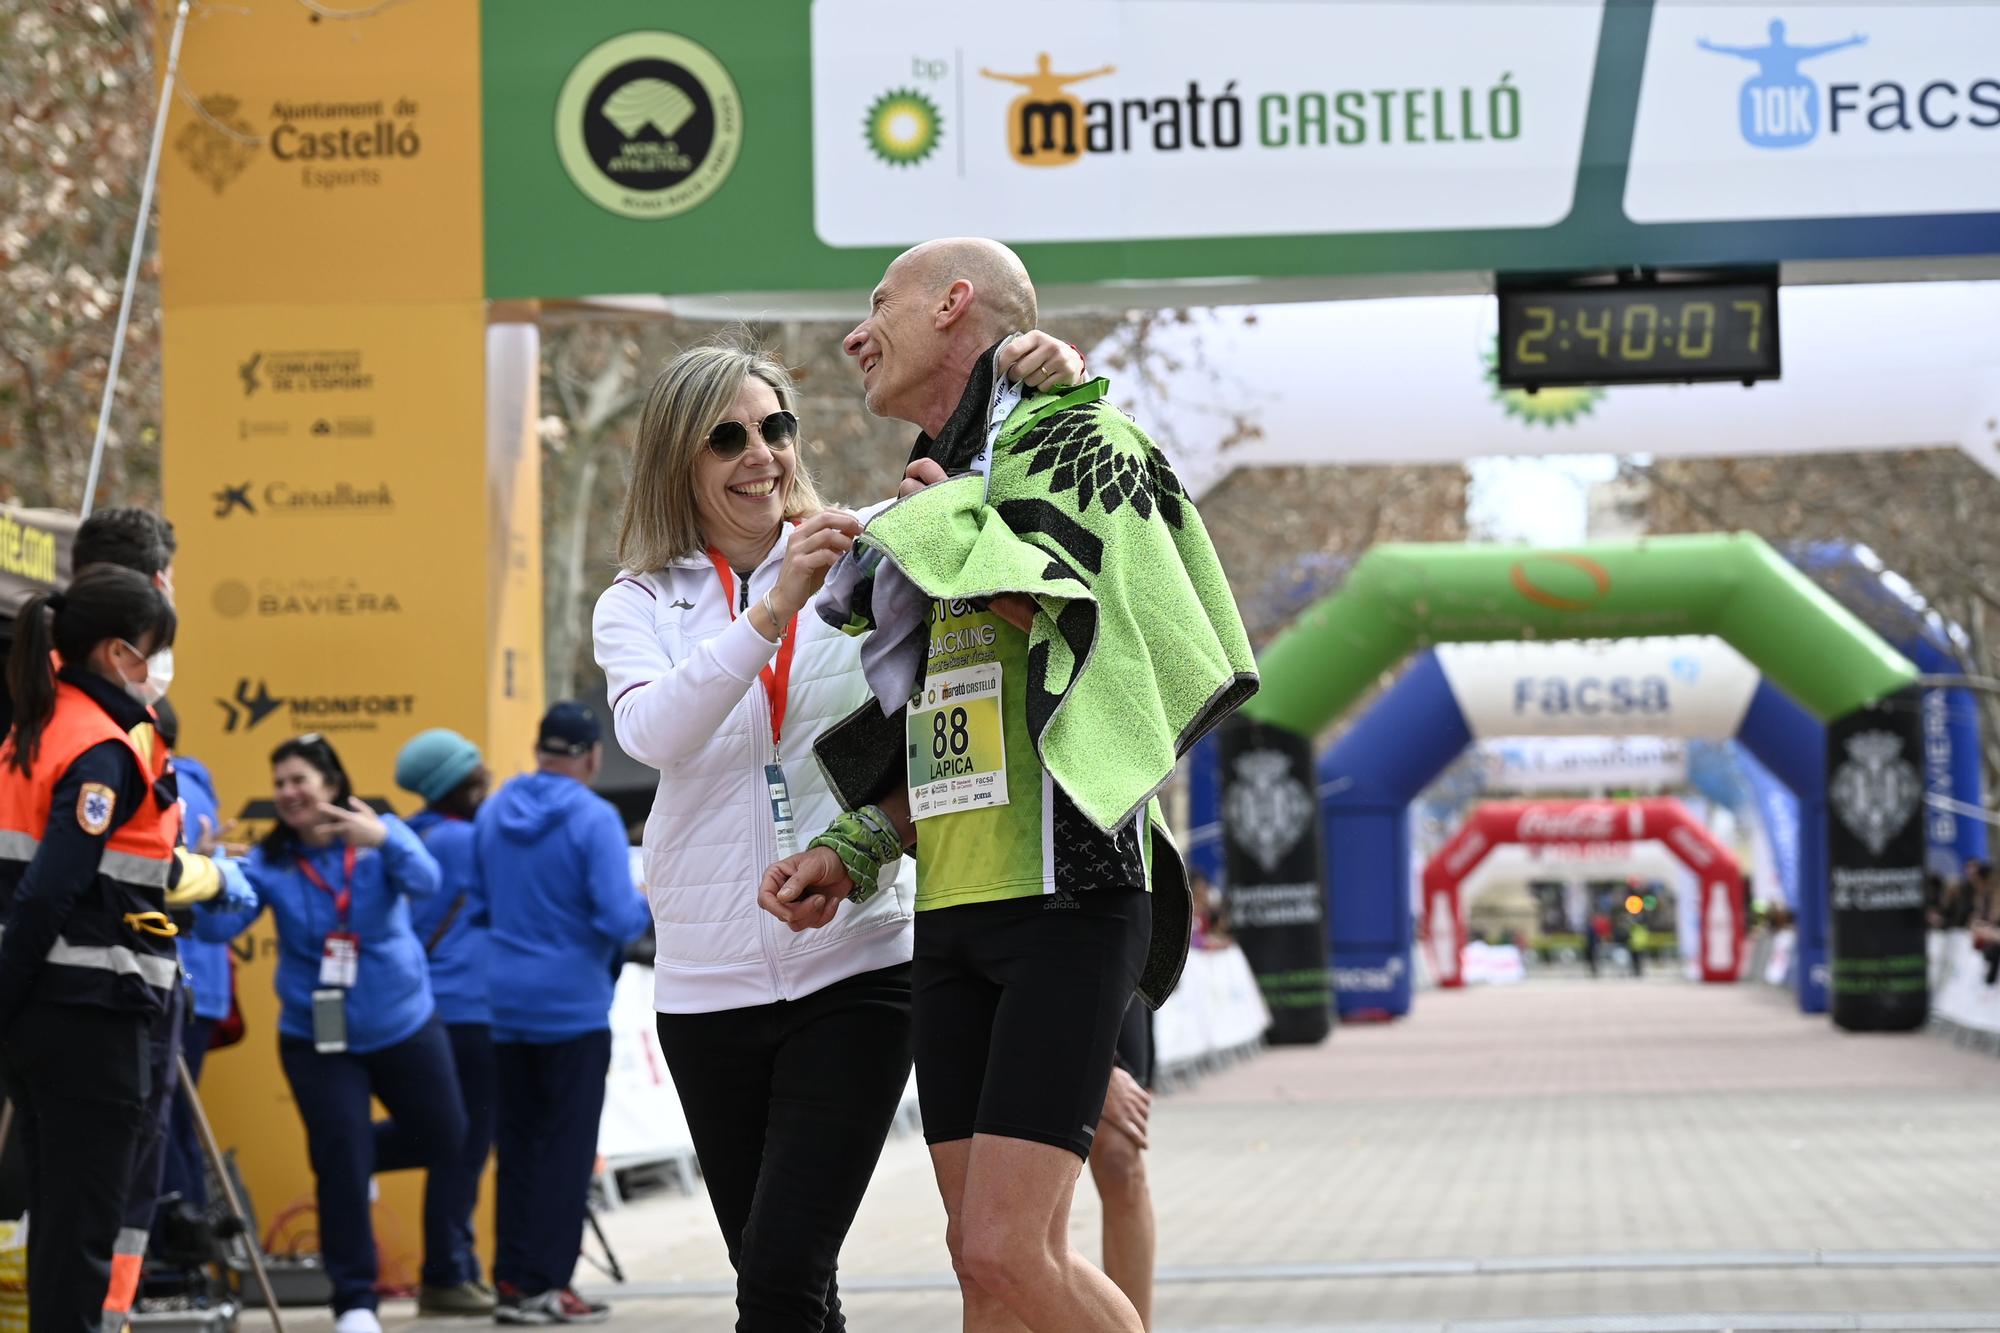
x,y
340,961
783,826
958,745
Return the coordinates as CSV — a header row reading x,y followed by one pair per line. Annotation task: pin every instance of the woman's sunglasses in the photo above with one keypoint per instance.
x,y
729,439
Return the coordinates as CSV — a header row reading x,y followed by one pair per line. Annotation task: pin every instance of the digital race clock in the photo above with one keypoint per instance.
x,y
1661,328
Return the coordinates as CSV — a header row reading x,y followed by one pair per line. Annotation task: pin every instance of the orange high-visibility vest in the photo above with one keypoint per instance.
x,y
112,951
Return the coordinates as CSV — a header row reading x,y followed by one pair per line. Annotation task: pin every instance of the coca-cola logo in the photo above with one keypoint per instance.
x,y
1691,848
1466,853
1583,823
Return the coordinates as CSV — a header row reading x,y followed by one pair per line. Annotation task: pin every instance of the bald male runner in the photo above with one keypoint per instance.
x,y
1033,924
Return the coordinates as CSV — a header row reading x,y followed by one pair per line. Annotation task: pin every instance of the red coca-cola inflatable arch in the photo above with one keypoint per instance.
x,y
1654,819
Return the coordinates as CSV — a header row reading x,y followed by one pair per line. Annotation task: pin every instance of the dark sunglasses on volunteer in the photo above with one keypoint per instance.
x,y
730,438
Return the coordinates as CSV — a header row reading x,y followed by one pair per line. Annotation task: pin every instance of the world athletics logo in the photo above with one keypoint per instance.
x,y
1779,107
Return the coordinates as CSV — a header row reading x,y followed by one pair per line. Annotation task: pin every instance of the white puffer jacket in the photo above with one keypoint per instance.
x,y
686,699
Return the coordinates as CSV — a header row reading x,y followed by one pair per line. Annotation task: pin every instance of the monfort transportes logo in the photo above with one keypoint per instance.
x,y
648,125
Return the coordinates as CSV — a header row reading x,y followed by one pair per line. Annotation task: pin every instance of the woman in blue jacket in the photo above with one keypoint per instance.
x,y
445,769
356,1017
205,964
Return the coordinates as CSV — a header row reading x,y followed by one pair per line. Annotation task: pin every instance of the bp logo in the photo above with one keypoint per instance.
x,y
1267,810
1875,790
648,125
903,127
1550,406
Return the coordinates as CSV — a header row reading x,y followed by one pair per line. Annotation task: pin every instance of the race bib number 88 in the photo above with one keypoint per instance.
x,y
958,747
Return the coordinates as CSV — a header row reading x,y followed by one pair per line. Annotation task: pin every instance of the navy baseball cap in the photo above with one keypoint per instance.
x,y
568,728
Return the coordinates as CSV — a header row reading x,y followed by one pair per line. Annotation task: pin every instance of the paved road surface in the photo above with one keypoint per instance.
x,y
1562,1155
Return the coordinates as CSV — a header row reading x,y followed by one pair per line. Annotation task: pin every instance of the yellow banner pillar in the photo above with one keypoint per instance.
x,y
350,456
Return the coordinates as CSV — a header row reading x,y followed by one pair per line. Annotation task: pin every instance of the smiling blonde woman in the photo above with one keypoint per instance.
x,y
790,1051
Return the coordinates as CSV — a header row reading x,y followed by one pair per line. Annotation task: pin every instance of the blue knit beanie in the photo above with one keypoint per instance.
x,y
434,762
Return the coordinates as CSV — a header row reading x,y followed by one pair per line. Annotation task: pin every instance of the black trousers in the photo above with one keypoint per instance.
x,y
79,1080
187,1170
551,1097
149,1158
789,1104
416,1080
451,1189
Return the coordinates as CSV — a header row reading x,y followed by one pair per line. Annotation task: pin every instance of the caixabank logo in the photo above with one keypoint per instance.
x,y
252,703
648,125
281,499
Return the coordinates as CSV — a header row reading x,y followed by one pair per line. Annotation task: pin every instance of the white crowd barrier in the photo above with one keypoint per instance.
x,y
1492,964
1961,1001
642,1124
1217,1014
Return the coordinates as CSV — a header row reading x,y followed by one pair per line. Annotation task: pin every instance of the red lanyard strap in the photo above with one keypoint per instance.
x,y
345,898
777,676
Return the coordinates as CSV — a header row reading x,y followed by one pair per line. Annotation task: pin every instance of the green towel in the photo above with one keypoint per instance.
x,y
1137,649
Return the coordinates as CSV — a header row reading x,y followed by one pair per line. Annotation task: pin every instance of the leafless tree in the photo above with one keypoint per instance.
x,y
76,105
1929,515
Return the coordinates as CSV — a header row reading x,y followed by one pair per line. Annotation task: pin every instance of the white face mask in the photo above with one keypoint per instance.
x,y
159,675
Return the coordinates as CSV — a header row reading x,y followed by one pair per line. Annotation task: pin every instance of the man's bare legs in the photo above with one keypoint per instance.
x,y
1118,1166
1008,1202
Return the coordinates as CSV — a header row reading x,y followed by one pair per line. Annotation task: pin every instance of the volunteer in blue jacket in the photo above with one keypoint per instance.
x,y
205,964
356,1018
558,877
444,769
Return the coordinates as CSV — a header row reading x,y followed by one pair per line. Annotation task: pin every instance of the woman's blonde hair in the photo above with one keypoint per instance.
x,y
687,401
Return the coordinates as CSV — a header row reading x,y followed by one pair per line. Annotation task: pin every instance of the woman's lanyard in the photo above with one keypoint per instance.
x,y
777,678
340,959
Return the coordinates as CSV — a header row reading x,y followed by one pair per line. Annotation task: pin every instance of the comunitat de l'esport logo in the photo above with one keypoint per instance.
x,y
1049,123
648,125
1780,106
252,703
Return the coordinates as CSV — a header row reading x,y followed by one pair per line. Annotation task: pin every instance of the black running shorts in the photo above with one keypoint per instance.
x,y
1135,1043
1016,1009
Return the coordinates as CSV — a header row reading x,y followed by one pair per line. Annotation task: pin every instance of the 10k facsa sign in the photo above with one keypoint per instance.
x,y
1799,111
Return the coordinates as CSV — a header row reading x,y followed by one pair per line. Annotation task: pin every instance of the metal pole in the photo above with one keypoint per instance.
x,y
236,1208
6,1122
132,264
1984,684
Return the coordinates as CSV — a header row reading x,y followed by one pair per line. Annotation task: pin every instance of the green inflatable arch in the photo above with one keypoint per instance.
x,y
1403,597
